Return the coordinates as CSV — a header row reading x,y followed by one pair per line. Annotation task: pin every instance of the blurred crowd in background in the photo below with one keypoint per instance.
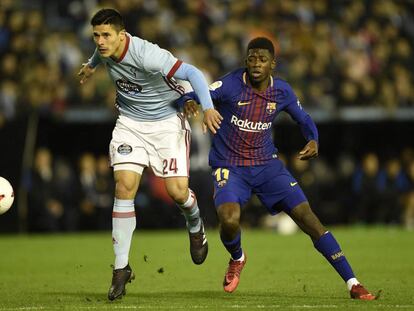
x,y
334,54
66,197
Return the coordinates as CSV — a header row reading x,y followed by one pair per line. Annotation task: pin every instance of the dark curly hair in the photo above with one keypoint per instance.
x,y
261,43
108,17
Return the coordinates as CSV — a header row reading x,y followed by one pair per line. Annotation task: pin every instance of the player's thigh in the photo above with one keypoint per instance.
x,y
230,186
126,184
277,189
127,145
169,155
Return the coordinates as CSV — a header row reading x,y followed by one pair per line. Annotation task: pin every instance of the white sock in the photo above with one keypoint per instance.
x,y
241,258
351,282
123,226
191,212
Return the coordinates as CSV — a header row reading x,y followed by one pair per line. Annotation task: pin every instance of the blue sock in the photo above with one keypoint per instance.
x,y
329,247
234,246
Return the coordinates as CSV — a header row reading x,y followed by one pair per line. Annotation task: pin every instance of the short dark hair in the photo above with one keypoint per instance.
x,y
108,17
261,43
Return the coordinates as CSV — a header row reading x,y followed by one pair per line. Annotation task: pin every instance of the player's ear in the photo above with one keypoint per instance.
x,y
273,64
122,34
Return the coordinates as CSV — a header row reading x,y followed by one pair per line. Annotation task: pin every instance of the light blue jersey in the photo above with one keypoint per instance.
x,y
143,76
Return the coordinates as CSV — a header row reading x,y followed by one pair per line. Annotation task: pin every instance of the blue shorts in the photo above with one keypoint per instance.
x,y
272,183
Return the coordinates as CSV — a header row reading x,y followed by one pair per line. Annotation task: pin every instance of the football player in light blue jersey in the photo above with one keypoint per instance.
x,y
149,131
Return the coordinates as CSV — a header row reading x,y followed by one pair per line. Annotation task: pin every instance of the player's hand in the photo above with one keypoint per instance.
x,y
309,151
190,108
212,120
85,72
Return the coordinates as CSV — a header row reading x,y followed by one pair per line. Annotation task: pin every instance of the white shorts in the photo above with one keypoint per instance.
x,y
162,145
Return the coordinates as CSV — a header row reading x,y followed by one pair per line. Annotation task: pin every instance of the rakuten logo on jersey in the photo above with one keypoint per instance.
x,y
250,126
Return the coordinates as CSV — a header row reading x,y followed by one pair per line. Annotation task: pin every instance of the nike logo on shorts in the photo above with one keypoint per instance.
x,y
292,184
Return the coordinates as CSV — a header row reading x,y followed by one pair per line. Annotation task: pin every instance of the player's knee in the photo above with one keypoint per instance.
x,y
178,191
179,195
307,220
301,212
126,184
229,216
125,190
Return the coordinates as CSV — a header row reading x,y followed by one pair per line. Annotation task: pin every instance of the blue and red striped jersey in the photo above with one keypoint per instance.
x,y
245,134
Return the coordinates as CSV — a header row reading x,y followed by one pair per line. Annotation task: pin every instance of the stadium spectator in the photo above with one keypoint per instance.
x,y
8,101
96,192
104,187
365,48
366,189
408,199
393,183
345,165
87,180
51,200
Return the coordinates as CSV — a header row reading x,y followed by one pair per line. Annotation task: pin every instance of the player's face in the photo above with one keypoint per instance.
x,y
259,63
109,41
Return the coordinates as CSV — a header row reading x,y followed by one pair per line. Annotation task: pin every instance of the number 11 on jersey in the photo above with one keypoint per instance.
x,y
222,174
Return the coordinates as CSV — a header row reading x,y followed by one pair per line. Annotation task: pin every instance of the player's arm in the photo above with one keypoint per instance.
x,y
308,129
89,67
190,102
212,118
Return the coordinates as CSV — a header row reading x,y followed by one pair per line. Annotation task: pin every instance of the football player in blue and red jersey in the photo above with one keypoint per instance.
x,y
244,160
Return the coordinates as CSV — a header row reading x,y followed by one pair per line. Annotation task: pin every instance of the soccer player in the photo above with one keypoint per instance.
x,y
244,160
149,131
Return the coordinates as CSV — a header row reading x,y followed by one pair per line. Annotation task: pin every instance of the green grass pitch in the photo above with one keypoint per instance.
x,y
72,272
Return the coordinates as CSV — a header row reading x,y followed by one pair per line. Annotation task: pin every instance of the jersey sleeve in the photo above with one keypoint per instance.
x,y
156,59
197,80
299,115
215,93
95,59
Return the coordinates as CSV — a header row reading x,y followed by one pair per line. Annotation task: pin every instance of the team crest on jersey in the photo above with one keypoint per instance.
x,y
124,149
128,87
215,85
222,183
271,108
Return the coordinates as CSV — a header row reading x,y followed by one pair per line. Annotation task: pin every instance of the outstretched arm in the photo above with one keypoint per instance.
x,y
309,151
212,118
308,129
89,68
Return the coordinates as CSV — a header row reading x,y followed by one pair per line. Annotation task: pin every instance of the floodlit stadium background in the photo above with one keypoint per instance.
x,y
350,62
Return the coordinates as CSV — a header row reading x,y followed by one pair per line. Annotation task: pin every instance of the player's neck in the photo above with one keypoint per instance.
x,y
259,86
119,51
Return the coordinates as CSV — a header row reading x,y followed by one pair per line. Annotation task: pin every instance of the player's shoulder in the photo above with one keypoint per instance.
x,y
230,79
136,45
138,42
236,74
280,83
283,88
141,45
232,76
